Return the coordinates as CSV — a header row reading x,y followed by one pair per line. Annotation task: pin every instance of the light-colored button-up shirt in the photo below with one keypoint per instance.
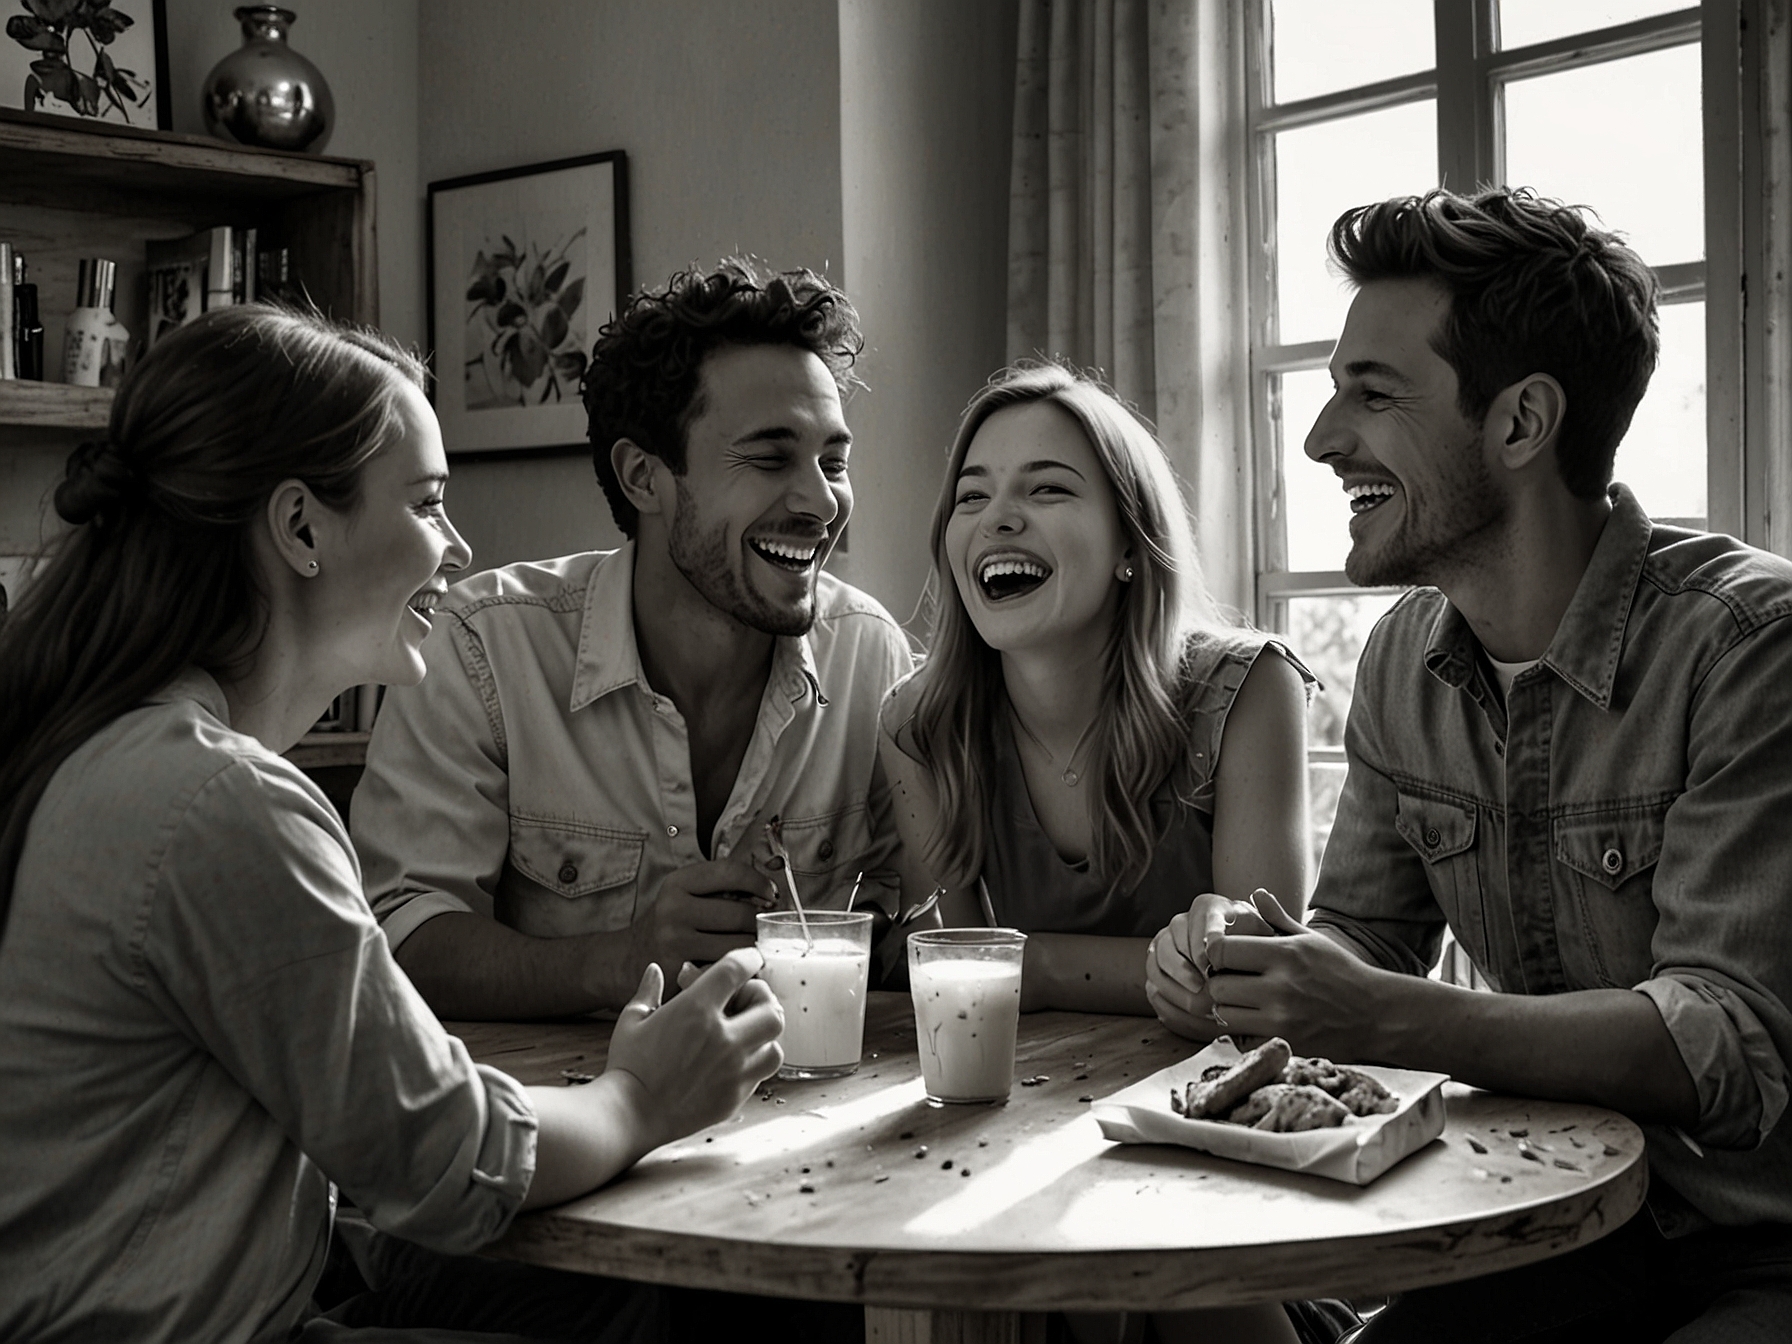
x,y
535,777
200,1028
1618,820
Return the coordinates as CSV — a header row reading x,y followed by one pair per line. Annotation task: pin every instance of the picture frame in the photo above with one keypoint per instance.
x,y
76,61
525,264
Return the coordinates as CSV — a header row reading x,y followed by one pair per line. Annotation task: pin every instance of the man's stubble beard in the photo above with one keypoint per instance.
x,y
1467,511
703,558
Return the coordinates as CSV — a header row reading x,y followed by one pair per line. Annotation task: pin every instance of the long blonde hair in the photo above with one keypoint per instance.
x,y
1140,735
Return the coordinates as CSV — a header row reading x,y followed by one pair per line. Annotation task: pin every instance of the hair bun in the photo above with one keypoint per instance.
x,y
97,481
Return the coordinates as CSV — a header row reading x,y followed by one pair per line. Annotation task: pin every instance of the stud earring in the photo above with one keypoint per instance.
x,y
1125,574
311,565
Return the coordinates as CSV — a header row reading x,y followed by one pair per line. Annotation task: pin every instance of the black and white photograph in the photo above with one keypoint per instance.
x,y
104,60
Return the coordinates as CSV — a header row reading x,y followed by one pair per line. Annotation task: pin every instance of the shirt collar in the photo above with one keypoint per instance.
x,y
1584,651
609,658
199,686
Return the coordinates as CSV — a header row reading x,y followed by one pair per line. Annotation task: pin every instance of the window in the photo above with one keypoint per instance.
x,y
1592,101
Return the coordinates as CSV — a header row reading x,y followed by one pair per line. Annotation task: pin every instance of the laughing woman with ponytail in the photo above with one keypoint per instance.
x,y
203,1035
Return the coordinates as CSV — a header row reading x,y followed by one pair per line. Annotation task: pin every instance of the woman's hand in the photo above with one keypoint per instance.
x,y
700,1056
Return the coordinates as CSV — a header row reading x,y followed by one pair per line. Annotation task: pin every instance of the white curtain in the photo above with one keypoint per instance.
x,y
1126,233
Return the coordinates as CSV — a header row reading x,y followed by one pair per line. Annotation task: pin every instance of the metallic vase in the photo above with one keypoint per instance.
x,y
265,93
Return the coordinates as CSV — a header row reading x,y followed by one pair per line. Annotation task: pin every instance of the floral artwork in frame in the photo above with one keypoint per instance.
x,y
525,265
97,60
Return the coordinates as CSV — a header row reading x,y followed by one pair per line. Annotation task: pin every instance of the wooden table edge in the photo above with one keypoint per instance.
x,y
1132,1279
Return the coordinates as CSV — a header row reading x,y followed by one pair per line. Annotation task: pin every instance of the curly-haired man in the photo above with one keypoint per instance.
x,y
1573,748
580,785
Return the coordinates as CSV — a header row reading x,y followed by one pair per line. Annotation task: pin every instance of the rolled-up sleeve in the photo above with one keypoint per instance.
x,y
431,816
1721,976
265,951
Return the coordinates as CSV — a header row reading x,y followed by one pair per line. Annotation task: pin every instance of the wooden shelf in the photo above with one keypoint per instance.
x,y
56,161
54,405
316,750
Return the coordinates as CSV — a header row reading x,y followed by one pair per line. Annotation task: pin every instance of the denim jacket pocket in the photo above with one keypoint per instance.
x,y
827,853
1443,835
1610,856
593,869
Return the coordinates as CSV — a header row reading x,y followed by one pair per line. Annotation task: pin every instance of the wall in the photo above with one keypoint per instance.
x,y
730,116
927,99
368,55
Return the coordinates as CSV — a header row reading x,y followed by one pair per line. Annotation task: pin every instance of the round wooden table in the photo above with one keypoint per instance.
x,y
855,1189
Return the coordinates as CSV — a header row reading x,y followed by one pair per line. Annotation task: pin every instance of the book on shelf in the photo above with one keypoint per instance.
x,y
213,268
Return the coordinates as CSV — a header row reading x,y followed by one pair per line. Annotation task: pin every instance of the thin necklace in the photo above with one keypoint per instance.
x,y
1069,773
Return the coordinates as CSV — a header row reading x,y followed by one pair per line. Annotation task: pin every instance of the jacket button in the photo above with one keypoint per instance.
x,y
1612,861
825,849
1432,838
569,874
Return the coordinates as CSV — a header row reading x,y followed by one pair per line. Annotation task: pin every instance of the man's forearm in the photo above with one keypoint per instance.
x,y
1608,1047
473,968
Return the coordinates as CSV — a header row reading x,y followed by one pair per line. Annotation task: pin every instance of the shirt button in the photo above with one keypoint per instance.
x,y
569,874
1612,861
671,830
825,849
1432,838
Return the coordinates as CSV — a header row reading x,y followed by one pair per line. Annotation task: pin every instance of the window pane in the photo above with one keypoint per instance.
x,y
1523,22
1662,458
1325,781
1328,634
1376,39
1318,513
1623,137
1322,171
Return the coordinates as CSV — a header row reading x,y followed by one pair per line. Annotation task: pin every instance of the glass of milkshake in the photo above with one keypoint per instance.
x,y
966,988
820,977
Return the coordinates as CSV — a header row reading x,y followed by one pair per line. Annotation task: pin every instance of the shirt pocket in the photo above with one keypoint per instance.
x,y
593,871
1610,858
827,853
1442,833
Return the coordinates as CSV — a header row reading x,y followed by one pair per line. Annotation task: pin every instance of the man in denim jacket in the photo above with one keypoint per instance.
x,y
1574,749
581,784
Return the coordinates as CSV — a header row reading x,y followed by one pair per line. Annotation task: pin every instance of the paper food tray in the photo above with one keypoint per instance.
x,y
1357,1151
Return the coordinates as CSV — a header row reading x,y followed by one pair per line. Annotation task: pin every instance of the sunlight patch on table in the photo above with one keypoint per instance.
x,y
1030,1168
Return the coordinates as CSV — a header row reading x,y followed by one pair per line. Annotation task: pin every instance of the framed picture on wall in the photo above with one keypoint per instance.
x,y
96,62
525,264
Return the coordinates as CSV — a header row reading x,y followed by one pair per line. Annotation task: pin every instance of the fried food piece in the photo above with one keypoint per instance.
x,y
1297,1108
1366,1096
1259,1104
1213,1097
1357,1090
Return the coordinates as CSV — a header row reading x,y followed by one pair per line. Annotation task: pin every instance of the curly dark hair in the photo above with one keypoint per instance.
x,y
643,380
1533,288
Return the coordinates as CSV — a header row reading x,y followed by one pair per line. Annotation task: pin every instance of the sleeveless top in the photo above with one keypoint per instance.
x,y
1032,889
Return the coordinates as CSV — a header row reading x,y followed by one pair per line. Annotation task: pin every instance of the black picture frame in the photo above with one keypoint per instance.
x,y
505,251
140,50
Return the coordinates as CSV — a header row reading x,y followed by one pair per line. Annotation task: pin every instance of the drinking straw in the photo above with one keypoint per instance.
x,y
774,834
853,895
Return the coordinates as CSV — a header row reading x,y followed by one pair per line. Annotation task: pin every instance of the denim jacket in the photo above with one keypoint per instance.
x,y
1622,819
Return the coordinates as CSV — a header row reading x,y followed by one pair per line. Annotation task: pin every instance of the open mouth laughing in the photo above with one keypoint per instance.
x,y
1005,575
792,556
424,604
1367,496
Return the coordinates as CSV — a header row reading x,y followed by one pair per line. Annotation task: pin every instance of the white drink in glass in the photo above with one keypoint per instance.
x,y
967,1007
819,975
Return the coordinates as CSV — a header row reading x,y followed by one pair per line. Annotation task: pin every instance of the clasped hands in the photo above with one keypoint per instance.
x,y
1249,968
